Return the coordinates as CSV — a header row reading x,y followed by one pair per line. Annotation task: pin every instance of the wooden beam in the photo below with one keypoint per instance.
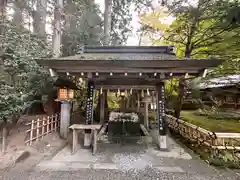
x,y
201,64
127,82
128,87
108,70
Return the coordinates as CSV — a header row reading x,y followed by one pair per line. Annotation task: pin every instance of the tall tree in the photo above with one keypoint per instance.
x,y
107,21
39,17
3,4
198,25
82,26
200,30
121,17
18,7
57,31
159,19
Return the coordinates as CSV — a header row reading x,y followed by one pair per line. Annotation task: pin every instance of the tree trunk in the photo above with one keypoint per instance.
x,y
39,18
188,51
70,24
3,4
15,118
3,18
4,136
18,13
107,21
180,98
57,28
106,41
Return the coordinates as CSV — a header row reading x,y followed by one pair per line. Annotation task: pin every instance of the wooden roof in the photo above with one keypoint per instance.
x,y
226,81
126,63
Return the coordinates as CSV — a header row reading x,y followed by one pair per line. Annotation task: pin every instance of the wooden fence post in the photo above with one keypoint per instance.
x,y
31,133
4,138
37,136
56,121
52,121
48,124
43,126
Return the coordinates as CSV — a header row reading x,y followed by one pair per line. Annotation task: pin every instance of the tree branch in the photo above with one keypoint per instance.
x,y
201,40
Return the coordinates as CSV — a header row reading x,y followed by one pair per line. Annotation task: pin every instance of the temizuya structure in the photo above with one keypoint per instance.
x,y
126,67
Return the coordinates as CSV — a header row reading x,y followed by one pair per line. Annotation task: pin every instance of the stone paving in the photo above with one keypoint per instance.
x,y
128,157
91,174
130,161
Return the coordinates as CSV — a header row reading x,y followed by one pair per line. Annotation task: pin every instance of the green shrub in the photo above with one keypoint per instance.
x,y
191,105
224,116
218,114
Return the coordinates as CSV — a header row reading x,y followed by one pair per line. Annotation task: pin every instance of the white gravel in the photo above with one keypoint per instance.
x,y
147,174
133,162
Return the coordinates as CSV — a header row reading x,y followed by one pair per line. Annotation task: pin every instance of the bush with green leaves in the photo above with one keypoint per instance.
x,y
218,114
22,78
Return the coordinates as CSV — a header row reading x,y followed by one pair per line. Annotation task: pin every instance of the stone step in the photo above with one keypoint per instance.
x,y
71,166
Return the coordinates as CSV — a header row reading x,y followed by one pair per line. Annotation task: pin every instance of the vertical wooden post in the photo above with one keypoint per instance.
x,y
94,141
89,108
31,133
236,101
127,102
146,114
106,105
102,107
48,119
4,138
37,136
43,126
138,102
56,121
74,145
161,116
133,102
52,121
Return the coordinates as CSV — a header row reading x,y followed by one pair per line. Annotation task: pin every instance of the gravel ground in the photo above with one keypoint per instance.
x,y
134,162
90,174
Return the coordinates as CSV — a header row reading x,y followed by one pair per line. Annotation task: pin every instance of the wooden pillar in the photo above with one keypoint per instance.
x,y
161,116
236,101
133,101
138,101
146,122
106,105
102,106
65,119
89,109
127,102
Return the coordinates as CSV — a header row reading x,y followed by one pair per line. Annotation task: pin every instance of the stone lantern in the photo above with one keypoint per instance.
x,y
66,89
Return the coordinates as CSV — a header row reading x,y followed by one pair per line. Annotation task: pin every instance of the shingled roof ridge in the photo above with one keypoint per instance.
x,y
128,49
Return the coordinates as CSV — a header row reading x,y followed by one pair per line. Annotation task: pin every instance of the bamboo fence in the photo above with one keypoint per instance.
x,y
215,140
41,127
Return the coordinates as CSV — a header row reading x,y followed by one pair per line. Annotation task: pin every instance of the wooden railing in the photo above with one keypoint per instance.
x,y
40,127
224,141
